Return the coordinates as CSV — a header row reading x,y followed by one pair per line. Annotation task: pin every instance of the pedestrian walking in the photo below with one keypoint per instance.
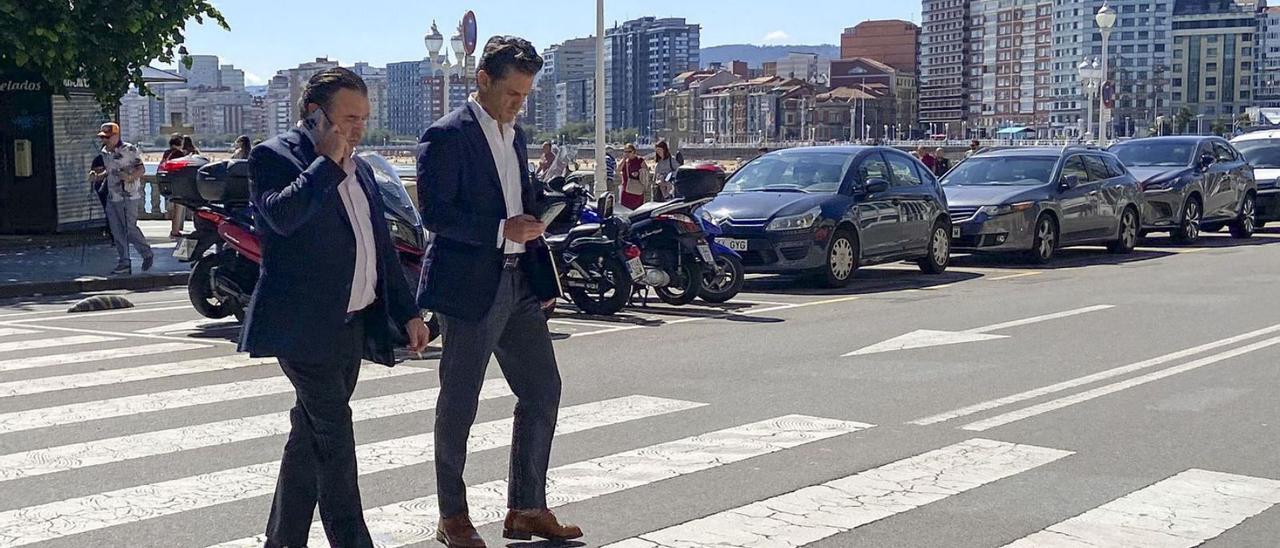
x,y
610,172
118,171
178,213
544,162
941,165
925,158
241,149
974,145
635,178
331,291
664,164
488,275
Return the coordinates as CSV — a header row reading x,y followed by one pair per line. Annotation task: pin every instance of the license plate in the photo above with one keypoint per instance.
x,y
736,245
955,232
636,268
705,251
186,246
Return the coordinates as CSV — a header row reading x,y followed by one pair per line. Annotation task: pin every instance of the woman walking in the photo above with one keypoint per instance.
x,y
635,178
241,150
664,164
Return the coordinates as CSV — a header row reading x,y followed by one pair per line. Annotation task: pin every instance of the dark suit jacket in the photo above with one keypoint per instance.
x,y
460,196
299,307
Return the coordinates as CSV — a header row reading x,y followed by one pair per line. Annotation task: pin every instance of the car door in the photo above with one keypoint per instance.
x,y
1073,201
1105,219
1232,178
874,213
1215,180
912,198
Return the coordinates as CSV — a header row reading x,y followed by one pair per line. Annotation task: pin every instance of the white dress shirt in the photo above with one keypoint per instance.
x,y
365,281
501,138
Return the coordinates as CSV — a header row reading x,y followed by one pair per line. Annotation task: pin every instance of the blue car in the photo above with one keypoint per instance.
x,y
825,211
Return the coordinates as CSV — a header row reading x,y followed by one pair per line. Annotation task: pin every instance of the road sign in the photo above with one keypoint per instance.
x,y
1109,94
469,35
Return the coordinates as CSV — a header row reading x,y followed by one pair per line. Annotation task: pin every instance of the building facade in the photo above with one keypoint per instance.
x,y
203,72
900,87
1266,58
641,56
572,64
945,66
1011,57
1213,56
375,78
893,42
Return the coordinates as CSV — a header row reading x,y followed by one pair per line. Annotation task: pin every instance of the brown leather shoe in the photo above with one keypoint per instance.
x,y
526,524
457,532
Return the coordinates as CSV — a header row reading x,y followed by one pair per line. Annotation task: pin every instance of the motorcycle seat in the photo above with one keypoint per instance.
x,y
580,231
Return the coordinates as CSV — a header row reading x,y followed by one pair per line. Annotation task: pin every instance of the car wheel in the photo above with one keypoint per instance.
x,y
1045,244
939,252
842,259
1128,237
1246,223
1188,230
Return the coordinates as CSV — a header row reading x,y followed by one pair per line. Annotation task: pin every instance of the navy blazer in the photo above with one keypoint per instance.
x,y
460,195
299,307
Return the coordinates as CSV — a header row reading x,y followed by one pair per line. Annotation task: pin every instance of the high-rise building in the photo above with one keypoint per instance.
x,y
408,113
231,78
1266,58
575,102
1138,60
571,63
279,116
375,78
1014,48
135,117
809,67
204,71
945,66
641,57
892,42
300,75
1213,42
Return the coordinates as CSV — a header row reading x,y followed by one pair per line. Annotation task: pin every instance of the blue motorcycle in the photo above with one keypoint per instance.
x,y
723,282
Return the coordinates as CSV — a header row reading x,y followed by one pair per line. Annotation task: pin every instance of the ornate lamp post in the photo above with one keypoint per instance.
x,y
439,58
1090,80
1106,20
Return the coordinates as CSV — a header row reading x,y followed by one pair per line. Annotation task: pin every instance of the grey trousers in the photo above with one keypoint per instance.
x,y
122,216
515,331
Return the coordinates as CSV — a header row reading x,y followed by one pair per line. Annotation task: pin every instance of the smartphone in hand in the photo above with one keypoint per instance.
x,y
317,124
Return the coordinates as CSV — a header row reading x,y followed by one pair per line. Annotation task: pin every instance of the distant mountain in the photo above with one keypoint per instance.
x,y
755,56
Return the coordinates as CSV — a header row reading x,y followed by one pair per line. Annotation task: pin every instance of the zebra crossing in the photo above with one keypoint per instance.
x,y
1185,509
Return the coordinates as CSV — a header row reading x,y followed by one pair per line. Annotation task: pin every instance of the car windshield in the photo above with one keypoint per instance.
x,y
1262,153
1155,153
1001,171
820,172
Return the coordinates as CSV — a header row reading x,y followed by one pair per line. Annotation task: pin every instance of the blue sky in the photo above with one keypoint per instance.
x,y
268,35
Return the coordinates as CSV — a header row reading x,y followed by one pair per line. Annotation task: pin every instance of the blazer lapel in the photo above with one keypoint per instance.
x,y
305,151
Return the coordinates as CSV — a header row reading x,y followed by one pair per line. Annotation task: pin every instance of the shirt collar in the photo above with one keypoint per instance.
x,y
483,117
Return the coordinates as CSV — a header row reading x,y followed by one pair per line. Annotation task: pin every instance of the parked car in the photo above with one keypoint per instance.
x,y
1190,183
1262,150
825,211
1036,200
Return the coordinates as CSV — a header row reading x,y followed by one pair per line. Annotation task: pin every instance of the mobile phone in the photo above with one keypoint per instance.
x,y
316,124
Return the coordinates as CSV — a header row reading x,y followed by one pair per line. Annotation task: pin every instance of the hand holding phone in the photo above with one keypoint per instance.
x,y
328,137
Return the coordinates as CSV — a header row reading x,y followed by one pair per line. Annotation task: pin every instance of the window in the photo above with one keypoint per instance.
x,y
1223,153
873,167
904,174
1114,167
1096,167
1075,166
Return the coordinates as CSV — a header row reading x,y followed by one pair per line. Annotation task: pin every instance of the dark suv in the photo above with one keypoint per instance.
x,y
1189,182
1035,200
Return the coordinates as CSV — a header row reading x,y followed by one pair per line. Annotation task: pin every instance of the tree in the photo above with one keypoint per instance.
x,y
376,137
1182,120
105,43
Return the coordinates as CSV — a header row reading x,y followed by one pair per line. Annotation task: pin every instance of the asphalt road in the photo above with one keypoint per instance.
x,y
1102,401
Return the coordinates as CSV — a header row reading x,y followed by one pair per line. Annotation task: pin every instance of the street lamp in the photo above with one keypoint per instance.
x,y
1106,20
439,57
1090,77
1200,124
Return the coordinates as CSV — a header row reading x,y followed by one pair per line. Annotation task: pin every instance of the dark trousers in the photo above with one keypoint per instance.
x,y
515,331
319,463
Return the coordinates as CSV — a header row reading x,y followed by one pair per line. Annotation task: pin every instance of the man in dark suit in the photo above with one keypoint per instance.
x,y
487,275
331,291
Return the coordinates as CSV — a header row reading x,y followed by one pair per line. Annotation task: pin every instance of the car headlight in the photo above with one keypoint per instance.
x,y
1005,209
795,222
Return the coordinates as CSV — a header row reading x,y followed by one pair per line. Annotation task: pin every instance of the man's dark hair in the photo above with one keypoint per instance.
x,y
324,85
175,140
503,54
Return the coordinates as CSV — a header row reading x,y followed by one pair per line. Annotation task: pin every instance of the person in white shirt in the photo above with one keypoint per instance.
x,y
119,165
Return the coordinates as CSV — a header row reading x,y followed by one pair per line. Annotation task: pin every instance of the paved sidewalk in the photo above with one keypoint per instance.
x,y
63,266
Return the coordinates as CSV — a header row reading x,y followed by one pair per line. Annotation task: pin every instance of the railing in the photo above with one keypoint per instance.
x,y
154,206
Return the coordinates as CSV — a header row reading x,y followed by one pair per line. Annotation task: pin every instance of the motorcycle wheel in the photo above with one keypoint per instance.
x,y
724,282
200,290
614,288
687,291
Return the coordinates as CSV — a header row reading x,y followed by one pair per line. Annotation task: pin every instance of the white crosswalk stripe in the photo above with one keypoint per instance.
x,y
54,342
413,521
817,512
53,520
72,413
11,331
136,446
101,354
132,374
1183,511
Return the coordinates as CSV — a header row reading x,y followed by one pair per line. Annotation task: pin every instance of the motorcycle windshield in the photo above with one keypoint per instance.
x,y
394,195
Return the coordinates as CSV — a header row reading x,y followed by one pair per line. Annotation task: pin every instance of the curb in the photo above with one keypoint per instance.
x,y
84,285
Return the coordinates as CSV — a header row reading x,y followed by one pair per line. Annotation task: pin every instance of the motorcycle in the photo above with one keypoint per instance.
x,y
224,248
723,281
597,267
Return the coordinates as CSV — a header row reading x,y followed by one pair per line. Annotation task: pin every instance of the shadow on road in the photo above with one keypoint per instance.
x,y
866,281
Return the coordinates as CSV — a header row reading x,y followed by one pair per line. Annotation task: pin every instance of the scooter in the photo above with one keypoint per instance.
x,y
724,280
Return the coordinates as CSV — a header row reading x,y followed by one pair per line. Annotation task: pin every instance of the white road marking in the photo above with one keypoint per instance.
x,y
1087,379
122,334
413,521
1183,511
116,376
63,311
58,519
98,355
73,413
1015,276
85,315
92,453
924,338
820,511
11,331
1087,395
56,341
1038,319
190,325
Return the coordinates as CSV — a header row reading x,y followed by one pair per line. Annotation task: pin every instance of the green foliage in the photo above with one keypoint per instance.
x,y
105,43
377,137
1183,119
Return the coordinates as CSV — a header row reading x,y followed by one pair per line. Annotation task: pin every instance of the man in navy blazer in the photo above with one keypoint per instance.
x,y
331,291
487,275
